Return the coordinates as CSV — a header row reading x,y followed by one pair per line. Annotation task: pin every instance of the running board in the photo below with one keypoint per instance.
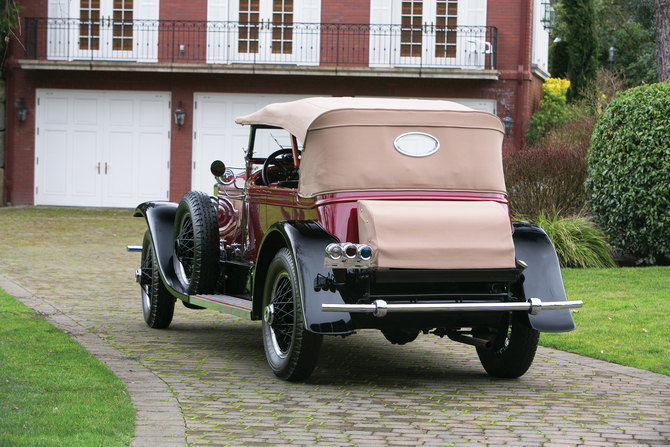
x,y
380,308
224,303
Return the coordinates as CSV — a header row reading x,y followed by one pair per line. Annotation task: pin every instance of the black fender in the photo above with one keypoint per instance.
x,y
542,279
160,220
307,242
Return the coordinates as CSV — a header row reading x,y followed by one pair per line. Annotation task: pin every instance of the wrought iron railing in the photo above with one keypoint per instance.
x,y
338,45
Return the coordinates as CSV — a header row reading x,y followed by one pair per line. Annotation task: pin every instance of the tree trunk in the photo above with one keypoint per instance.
x,y
662,12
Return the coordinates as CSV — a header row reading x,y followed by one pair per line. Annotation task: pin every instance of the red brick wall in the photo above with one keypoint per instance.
x,y
506,15
345,11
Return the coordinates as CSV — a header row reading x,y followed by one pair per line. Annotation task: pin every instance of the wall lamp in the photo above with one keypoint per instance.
x,y
179,116
508,124
21,110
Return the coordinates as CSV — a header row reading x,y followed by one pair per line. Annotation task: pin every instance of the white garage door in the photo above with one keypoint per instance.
x,y
104,149
217,137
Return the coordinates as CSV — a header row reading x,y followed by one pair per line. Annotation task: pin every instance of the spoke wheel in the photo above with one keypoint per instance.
x,y
516,352
196,244
290,349
157,302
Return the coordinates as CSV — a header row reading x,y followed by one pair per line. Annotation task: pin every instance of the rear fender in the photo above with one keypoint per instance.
x,y
160,220
542,279
307,242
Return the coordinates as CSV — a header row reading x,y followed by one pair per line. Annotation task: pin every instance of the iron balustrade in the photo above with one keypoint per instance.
x,y
305,44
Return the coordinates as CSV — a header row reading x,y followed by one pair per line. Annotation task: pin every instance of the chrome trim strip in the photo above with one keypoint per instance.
x,y
379,308
133,248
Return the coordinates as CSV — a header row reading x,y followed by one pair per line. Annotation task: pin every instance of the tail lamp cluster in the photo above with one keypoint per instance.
x,y
348,255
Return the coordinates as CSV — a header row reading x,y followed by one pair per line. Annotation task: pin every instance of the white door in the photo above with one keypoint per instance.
x,y
107,149
217,137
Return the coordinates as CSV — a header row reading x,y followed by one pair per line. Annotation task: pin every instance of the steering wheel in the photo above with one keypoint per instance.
x,y
275,160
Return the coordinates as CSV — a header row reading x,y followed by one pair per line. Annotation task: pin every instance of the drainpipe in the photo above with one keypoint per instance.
x,y
523,22
10,119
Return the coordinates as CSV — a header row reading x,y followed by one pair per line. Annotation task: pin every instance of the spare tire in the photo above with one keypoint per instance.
x,y
196,244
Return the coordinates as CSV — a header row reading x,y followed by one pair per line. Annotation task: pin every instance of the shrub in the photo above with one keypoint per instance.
x,y
550,177
577,240
629,172
553,111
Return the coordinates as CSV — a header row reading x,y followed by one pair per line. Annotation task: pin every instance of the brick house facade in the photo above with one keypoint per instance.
x,y
101,80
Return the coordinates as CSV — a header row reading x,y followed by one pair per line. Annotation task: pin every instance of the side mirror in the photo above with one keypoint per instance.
x,y
218,169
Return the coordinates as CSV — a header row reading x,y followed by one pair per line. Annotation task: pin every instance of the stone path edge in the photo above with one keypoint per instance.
x,y
158,419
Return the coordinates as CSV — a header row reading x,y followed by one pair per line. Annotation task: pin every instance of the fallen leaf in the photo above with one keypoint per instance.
x,y
15,409
609,318
644,330
574,311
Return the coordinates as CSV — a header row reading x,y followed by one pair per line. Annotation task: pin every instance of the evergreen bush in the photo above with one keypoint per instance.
x,y
628,179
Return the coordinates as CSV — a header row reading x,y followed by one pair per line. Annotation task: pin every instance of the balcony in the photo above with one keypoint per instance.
x,y
288,48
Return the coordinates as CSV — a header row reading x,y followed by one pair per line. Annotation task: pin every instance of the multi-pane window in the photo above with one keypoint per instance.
x,y
446,28
282,27
248,26
89,25
122,25
411,33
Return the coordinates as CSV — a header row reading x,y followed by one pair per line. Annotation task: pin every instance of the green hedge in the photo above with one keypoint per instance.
x,y
628,180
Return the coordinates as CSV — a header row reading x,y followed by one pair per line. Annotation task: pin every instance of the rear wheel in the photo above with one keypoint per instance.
x,y
157,302
196,244
291,350
517,353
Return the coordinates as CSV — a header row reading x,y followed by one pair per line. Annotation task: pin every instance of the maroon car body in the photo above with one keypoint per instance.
x,y
355,213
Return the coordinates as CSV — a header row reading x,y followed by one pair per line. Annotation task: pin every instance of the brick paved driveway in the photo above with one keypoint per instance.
x,y
364,391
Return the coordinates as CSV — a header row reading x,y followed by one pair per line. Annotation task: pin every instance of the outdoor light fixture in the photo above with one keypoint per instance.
x,y
21,110
610,59
179,116
508,124
548,15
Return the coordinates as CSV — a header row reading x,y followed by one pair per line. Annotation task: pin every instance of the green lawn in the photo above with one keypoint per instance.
x,y
625,318
52,391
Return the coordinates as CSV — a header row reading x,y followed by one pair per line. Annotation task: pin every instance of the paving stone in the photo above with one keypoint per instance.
x,y
205,381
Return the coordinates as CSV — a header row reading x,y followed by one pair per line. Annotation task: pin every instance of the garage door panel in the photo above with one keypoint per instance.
x,y
121,112
86,112
149,150
84,162
119,168
56,110
55,177
151,113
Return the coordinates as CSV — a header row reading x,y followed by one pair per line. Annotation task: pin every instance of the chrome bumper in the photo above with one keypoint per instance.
x,y
380,308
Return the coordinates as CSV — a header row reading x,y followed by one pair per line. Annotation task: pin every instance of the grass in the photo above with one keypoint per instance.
x,y
52,391
625,318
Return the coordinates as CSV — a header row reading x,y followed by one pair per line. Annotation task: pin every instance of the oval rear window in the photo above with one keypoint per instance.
x,y
416,144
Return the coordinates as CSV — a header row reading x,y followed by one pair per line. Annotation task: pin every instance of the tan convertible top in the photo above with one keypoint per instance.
x,y
350,144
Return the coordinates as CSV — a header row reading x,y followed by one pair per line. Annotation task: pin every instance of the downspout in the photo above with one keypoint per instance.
x,y
523,22
10,119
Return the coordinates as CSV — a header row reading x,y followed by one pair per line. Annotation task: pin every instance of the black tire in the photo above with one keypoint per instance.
x,y
517,353
196,244
157,302
290,349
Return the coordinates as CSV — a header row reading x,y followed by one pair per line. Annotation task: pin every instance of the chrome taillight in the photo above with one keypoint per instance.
x,y
347,255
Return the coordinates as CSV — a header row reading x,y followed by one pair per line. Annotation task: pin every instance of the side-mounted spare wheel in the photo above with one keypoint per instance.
x,y
196,243
157,302
513,352
291,350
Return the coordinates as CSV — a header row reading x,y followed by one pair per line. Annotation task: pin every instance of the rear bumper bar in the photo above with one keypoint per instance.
x,y
380,308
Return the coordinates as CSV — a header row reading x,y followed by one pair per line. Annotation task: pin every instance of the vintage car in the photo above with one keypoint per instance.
x,y
360,213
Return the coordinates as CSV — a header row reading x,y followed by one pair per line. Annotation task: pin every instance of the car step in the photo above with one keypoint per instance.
x,y
232,305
